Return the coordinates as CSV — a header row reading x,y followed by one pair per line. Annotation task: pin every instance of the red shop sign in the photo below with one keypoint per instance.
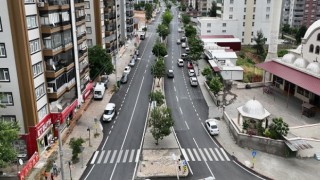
x,y
30,164
43,125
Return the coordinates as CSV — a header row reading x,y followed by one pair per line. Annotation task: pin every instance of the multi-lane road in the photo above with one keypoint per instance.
x,y
117,156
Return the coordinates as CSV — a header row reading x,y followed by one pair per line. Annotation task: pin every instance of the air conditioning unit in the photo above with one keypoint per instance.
x,y
40,4
50,89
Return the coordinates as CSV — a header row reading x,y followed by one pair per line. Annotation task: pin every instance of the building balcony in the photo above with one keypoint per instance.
x,y
78,3
53,71
82,54
50,5
78,23
54,93
50,29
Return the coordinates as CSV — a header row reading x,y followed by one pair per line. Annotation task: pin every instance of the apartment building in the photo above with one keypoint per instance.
x,y
129,7
44,69
242,19
205,7
300,12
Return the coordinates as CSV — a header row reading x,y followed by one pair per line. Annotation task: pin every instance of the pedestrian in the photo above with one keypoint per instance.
x,y
45,174
52,176
179,164
55,168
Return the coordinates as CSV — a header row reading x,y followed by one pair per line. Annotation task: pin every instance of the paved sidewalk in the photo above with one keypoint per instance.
x,y
80,130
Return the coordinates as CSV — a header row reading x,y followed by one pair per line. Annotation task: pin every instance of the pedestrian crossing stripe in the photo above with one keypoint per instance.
x,y
205,154
115,156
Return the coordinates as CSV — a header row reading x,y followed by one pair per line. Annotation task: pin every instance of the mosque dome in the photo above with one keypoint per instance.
x,y
253,108
288,58
300,62
314,67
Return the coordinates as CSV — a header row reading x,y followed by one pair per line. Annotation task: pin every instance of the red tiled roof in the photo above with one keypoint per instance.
x,y
299,78
216,69
217,36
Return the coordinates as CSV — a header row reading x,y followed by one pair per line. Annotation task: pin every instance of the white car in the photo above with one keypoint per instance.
x,y
191,73
193,81
109,112
187,50
184,45
180,62
132,62
212,127
127,70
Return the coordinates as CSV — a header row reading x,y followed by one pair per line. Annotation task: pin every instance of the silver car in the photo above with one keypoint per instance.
x,y
193,81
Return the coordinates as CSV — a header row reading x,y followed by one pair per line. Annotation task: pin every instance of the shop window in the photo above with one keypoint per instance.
x,y
311,47
317,50
318,36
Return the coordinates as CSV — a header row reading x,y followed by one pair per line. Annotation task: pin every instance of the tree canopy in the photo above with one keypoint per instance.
x,y
157,96
163,31
148,9
190,31
185,19
260,42
182,7
159,49
215,84
100,62
196,48
213,9
167,18
302,30
9,132
158,70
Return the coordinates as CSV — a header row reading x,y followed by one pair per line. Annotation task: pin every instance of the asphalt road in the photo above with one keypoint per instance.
x,y
189,109
118,154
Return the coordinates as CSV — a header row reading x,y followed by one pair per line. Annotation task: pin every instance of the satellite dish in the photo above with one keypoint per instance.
x,y
59,107
54,67
20,161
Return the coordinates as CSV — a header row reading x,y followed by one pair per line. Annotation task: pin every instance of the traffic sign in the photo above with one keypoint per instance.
x,y
254,153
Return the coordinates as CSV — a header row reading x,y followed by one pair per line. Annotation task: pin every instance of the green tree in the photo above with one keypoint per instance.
x,y
302,30
100,62
163,31
182,7
207,71
159,49
215,84
157,96
190,31
196,48
9,132
185,19
161,122
75,145
260,42
168,6
280,127
148,9
158,70
167,18
213,10
286,29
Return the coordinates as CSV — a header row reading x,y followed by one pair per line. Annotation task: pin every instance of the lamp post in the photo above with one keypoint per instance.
x,y
60,148
70,169
89,136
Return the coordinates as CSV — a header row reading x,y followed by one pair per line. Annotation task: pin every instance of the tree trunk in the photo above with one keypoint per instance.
x,y
158,82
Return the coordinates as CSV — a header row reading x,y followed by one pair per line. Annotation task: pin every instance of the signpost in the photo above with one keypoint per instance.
x,y
254,153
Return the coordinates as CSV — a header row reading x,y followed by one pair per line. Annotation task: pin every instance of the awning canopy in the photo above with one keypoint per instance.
x,y
299,78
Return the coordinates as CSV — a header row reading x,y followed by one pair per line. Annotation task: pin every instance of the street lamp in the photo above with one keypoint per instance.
x,y
60,148
89,136
70,169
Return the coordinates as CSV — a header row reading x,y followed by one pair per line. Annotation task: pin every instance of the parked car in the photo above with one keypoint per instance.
x,y
184,45
180,62
178,41
132,62
170,73
193,81
212,127
191,73
190,65
109,112
127,70
124,78
183,39
184,56
136,52
142,37
104,79
187,50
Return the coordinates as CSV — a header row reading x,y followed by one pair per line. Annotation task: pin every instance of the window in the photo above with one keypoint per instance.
x,y
29,1
42,112
252,40
231,1
224,24
252,33
243,24
87,4
268,9
6,98
208,31
3,53
244,16
224,31
1,25
245,1
37,69
242,33
318,37
231,9
88,18
252,23
268,1
230,17
89,30
34,46
40,91
4,75
267,16
253,16
8,118
208,24
317,50
254,9
89,42
255,2
245,9
32,22
242,40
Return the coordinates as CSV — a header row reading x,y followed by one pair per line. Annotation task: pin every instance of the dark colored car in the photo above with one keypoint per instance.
x,y
170,73
124,78
105,80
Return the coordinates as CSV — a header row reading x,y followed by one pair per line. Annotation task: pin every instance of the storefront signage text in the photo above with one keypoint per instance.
x,y
44,127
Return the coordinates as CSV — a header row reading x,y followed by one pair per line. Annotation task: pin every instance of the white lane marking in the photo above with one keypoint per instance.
x,y
101,156
204,161
207,153
209,134
119,156
112,127
175,89
191,155
180,110
225,154
113,156
105,142
185,154
196,154
89,172
177,98
131,155
137,156
186,124
217,151
94,157
213,154
125,156
202,155
248,171
107,157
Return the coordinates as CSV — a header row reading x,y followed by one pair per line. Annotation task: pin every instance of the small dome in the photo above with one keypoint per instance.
x,y
300,62
314,67
288,58
254,108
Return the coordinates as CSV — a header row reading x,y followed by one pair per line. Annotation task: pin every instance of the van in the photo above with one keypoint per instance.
x,y
180,62
98,91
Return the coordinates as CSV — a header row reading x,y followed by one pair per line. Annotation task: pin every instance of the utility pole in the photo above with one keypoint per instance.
x,y
60,149
117,38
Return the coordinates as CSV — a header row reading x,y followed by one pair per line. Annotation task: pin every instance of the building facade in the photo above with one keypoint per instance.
x,y
44,67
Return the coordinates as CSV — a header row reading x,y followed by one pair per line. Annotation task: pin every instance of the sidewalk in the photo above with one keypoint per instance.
x,y
272,166
89,110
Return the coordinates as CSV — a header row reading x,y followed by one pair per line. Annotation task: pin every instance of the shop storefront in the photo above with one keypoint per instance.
x,y
44,134
87,91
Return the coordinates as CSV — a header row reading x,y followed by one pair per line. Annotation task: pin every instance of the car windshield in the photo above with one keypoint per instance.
x,y
214,127
97,92
108,112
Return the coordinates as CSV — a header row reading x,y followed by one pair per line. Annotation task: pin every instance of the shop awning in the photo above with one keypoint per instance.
x,y
296,77
214,66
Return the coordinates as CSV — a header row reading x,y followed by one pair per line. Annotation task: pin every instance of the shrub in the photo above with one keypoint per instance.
x,y
75,145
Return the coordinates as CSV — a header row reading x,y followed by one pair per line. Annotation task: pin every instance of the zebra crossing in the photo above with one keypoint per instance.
x,y
115,156
205,154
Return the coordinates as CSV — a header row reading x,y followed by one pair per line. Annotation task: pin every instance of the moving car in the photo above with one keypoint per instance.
x,y
212,127
124,78
184,45
191,73
184,56
127,70
170,73
180,62
109,112
193,81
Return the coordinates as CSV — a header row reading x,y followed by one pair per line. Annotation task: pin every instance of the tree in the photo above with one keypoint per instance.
x,y
286,29
190,31
148,9
185,19
163,31
157,96
183,7
167,18
168,6
196,48
280,127
302,30
159,49
159,69
215,84
213,9
260,42
9,132
75,145
161,122
207,71
100,62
